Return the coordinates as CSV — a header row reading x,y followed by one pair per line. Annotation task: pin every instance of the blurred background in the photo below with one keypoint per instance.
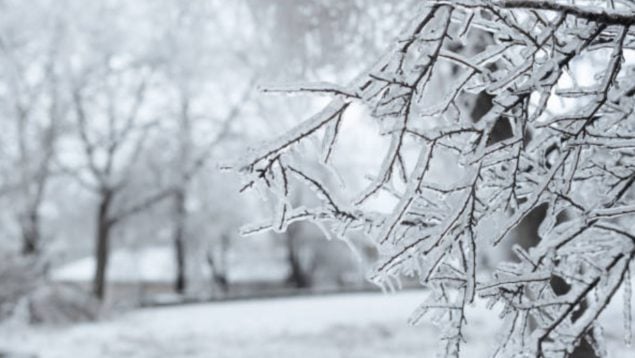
x,y
116,117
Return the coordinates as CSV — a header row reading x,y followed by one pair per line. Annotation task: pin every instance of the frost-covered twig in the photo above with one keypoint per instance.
x,y
485,88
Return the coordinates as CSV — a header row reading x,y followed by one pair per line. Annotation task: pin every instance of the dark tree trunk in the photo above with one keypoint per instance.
x,y
219,269
104,226
297,277
180,214
179,242
179,250
31,234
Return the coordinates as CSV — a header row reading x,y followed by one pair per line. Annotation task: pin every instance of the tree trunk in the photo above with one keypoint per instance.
x,y
297,277
218,266
31,234
104,226
180,213
179,241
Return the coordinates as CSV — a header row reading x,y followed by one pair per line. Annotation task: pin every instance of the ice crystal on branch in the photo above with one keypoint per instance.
x,y
532,102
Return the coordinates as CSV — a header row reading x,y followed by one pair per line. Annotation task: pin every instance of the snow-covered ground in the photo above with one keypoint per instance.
x,y
346,326
158,264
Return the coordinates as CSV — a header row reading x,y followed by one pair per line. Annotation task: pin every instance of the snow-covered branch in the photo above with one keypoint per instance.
x,y
492,90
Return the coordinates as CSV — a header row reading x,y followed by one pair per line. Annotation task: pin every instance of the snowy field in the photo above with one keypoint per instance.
x,y
346,326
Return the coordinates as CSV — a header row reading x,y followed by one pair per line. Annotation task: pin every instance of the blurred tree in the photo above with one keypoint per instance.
x,y
190,36
30,47
111,87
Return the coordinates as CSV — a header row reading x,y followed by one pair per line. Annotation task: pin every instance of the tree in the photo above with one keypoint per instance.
x,y
461,188
30,66
110,169
112,90
190,64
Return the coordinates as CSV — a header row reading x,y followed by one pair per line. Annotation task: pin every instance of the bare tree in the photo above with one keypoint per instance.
x,y
462,190
35,107
190,161
191,67
110,155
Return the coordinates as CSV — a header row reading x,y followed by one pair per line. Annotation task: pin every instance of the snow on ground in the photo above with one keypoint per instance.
x,y
158,264
342,326
125,266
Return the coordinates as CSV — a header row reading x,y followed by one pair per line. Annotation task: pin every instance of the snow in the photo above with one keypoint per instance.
x,y
258,267
151,264
361,325
353,325
157,264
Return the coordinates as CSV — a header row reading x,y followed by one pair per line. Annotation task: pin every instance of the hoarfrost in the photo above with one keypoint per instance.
x,y
517,156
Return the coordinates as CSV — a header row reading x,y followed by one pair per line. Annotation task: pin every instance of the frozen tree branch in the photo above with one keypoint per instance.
x,y
590,13
492,85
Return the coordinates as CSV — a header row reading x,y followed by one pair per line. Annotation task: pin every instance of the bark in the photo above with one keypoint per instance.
x,y
219,267
104,226
179,242
180,197
31,234
298,277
